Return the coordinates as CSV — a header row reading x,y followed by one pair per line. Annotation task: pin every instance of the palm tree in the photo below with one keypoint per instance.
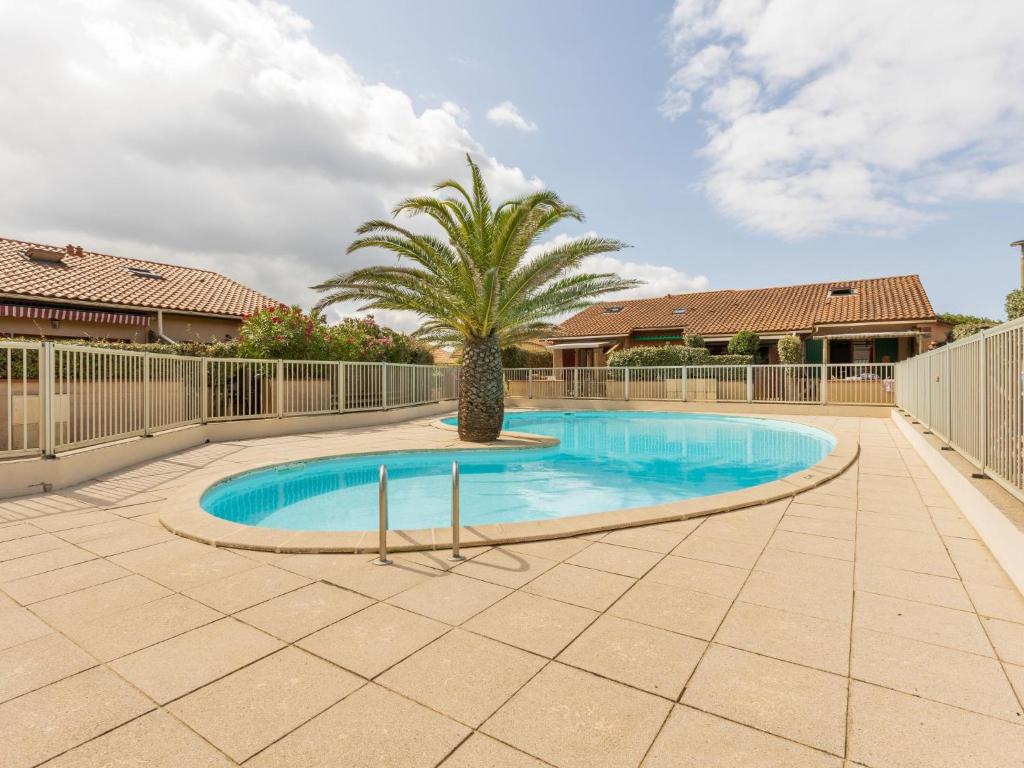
x,y
478,286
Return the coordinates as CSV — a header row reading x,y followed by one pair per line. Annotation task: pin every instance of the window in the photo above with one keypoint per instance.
x,y
841,291
143,272
613,310
679,311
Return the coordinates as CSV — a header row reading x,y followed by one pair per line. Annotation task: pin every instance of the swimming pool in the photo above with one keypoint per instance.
x,y
603,461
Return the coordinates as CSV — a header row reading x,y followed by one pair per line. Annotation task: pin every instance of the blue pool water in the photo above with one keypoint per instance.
x,y
604,461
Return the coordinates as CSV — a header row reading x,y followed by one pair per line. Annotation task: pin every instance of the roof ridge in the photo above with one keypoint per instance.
x,y
122,258
762,288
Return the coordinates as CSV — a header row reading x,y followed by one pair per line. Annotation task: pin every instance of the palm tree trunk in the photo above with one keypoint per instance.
x,y
481,390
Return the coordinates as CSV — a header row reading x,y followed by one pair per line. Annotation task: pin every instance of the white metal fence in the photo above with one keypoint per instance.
x,y
838,384
57,397
971,395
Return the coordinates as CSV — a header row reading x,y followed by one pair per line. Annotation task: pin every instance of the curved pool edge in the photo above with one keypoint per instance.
x,y
184,516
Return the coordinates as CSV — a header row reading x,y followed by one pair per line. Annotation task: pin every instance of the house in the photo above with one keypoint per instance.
x,y
68,292
883,319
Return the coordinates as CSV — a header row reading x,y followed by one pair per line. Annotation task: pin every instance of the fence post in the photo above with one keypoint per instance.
x,y
686,383
625,386
750,383
824,384
529,383
145,395
279,389
46,398
341,387
204,389
983,404
949,397
384,386
575,382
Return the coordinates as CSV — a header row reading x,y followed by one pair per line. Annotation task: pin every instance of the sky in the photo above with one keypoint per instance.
x,y
732,144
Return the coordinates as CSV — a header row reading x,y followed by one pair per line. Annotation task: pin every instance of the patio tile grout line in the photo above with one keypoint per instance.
x,y
984,629
547,660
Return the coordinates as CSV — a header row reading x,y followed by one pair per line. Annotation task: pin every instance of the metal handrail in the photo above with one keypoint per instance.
x,y
382,503
455,556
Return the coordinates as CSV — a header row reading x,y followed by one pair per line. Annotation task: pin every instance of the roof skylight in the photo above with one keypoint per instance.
x,y
842,291
143,272
613,310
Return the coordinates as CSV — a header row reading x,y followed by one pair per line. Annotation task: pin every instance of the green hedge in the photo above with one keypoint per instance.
x,y
517,357
673,354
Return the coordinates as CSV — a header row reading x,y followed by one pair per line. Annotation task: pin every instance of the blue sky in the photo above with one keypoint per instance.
x,y
593,82
739,143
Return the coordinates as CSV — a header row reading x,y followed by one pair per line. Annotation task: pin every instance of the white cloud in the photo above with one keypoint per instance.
x,y
863,117
209,132
657,280
508,113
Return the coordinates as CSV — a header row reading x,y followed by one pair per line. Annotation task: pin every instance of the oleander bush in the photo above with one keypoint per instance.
x,y
288,333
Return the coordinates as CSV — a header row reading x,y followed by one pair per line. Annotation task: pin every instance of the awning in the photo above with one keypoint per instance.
x,y
874,335
580,344
79,315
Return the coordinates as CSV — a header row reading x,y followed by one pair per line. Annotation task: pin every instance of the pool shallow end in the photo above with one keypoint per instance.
x,y
184,516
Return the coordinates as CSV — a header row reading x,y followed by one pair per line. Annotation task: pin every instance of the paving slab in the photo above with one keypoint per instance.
x,y
452,599
585,587
694,739
250,709
795,702
171,669
953,677
303,611
533,623
368,729
575,719
893,729
641,656
697,614
374,639
46,722
463,675
155,740
37,663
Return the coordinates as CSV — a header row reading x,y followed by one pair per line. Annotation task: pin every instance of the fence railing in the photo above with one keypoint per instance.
x,y
970,394
837,384
58,397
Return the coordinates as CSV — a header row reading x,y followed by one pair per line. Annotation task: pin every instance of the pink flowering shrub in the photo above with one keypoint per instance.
x,y
290,334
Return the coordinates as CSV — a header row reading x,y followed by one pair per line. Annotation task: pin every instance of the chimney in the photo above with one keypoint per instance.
x,y
69,249
78,250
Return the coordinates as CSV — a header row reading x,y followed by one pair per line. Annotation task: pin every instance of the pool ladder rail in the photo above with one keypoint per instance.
x,y
382,502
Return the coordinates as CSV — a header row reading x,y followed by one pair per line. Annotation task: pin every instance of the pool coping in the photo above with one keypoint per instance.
x,y
184,516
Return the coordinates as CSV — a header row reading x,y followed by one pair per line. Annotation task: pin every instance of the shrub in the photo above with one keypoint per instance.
x,y
791,350
518,357
693,340
1015,304
731,360
744,343
963,330
955,318
287,333
673,354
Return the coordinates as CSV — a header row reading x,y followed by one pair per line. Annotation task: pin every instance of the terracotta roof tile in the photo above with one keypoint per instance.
x,y
104,279
765,310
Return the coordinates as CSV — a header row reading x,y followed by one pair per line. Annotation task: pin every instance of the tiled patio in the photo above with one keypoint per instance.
x,y
862,624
